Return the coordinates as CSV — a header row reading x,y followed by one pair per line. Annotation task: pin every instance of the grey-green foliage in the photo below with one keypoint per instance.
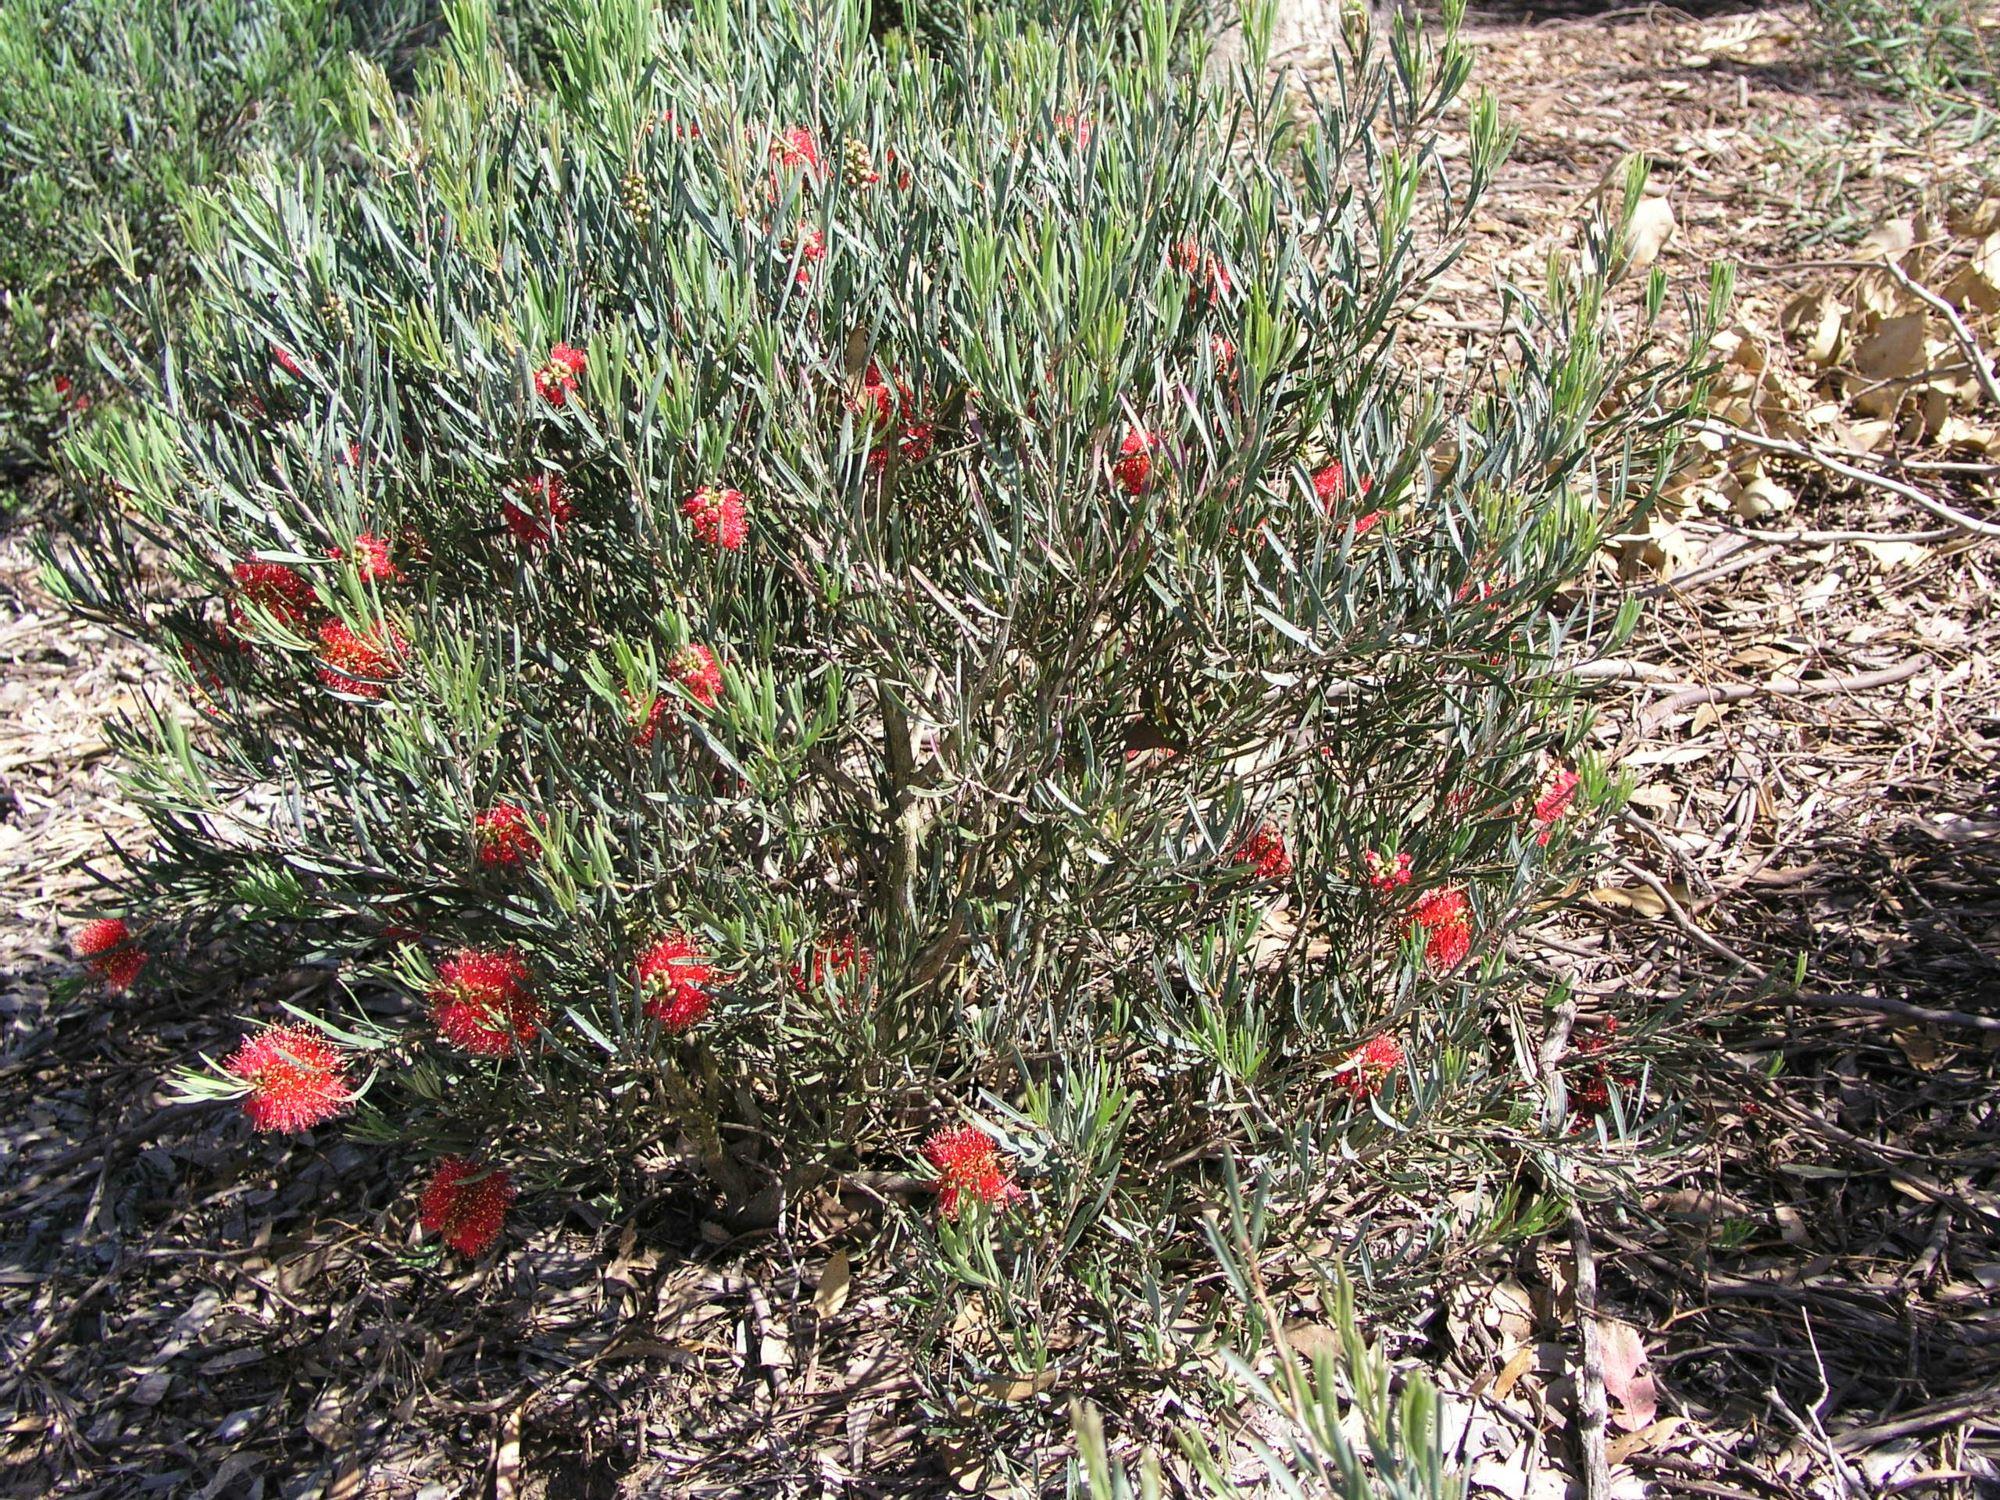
x,y
111,113
1334,1422
1934,51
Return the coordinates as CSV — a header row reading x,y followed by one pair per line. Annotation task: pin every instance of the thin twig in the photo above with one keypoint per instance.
x,y
1846,470
1782,687
1976,356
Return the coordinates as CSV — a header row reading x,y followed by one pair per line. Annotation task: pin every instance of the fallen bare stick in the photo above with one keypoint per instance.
x,y
1976,356
1836,465
1889,1007
1781,687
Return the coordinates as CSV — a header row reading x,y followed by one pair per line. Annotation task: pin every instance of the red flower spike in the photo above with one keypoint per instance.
x,y
842,963
1557,795
369,555
481,1002
107,947
1363,1070
537,509
969,1168
1265,852
280,591
1224,352
795,147
286,361
505,836
1445,917
646,726
672,974
1386,874
556,381
360,664
1134,468
466,1203
1205,272
719,517
695,668
297,1076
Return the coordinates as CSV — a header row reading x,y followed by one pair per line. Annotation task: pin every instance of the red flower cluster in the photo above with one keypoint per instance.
x,y
106,945
1589,1077
719,517
280,591
1329,484
696,670
369,555
285,360
466,1203
1134,467
1363,1070
969,1168
1386,874
481,1002
70,396
1224,351
794,146
505,835
556,381
1445,917
1203,269
537,508
810,246
842,963
1557,794
672,974
1265,852
1076,127
646,724
297,1077
360,664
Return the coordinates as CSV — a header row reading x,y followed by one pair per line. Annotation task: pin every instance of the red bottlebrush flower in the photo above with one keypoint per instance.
x,y
556,381
537,508
360,664
369,554
64,385
466,1203
1265,852
1445,917
1365,524
811,249
1076,127
1134,468
1363,1070
969,1168
297,1077
795,147
646,725
672,974
695,668
1205,271
1329,483
1557,794
1386,874
107,947
1224,351
280,591
481,1002
719,517
842,963
505,835
286,361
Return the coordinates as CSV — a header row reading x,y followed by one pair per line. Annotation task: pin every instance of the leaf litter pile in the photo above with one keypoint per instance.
x,y
1798,1295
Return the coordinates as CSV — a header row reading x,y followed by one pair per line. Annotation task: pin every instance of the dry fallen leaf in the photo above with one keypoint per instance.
x,y
1652,226
1627,1378
830,1296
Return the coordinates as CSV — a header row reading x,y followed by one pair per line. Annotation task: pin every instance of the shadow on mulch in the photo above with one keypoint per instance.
x,y
187,1308
1834,1282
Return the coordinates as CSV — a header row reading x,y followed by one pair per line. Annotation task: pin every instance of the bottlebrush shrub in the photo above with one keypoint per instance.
x,y
1018,651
